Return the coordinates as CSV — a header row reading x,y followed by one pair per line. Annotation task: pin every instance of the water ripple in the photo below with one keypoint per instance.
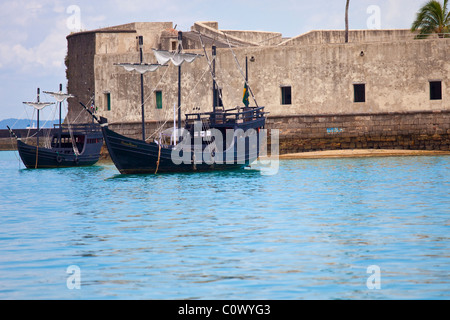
x,y
308,232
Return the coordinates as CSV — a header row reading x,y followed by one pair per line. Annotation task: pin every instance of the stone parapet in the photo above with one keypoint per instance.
x,y
413,131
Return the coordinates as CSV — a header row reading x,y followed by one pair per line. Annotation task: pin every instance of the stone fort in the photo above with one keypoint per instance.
x,y
382,90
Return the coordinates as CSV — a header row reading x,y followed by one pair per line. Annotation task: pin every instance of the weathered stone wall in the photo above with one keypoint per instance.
x,y
84,47
120,42
301,133
125,89
396,76
80,71
407,131
358,36
134,129
122,39
412,131
321,73
210,29
9,143
320,69
258,37
321,77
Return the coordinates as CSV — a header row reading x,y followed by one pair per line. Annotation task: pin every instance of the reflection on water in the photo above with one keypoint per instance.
x,y
309,232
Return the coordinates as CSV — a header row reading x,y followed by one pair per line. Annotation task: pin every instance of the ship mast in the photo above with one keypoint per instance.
x,y
141,56
141,68
214,81
177,58
38,105
180,47
60,97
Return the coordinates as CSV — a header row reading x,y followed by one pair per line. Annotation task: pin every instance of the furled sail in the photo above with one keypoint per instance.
x,y
39,105
59,96
176,58
139,67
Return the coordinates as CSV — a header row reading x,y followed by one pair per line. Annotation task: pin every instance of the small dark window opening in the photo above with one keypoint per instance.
x,y
174,45
286,95
158,95
217,95
435,90
108,101
359,92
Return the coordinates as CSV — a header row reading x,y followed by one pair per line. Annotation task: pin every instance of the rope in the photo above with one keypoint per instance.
x,y
151,94
159,157
241,71
155,87
14,147
66,108
193,89
41,128
163,111
210,66
74,146
17,120
47,140
29,128
187,98
13,136
37,152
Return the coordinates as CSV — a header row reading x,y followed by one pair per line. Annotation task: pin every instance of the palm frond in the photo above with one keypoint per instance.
x,y
433,17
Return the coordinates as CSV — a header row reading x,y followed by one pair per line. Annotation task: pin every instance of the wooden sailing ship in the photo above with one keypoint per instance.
x,y
217,140
70,145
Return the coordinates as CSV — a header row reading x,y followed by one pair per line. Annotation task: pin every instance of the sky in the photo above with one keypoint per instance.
x,y
33,32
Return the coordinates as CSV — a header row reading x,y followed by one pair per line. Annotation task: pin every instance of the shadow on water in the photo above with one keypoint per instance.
x,y
58,173
193,174
94,167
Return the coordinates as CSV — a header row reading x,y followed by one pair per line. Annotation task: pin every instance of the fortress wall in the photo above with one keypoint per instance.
x,y
319,69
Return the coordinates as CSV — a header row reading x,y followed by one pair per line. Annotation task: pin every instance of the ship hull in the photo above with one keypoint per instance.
x,y
132,156
34,157
88,141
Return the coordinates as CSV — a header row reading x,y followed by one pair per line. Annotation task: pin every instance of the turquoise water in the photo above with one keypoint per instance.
x,y
309,232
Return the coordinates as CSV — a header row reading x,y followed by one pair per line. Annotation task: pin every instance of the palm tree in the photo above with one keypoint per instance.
x,y
346,21
433,17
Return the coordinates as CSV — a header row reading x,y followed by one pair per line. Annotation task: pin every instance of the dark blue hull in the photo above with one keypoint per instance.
x,y
132,156
205,147
33,157
61,154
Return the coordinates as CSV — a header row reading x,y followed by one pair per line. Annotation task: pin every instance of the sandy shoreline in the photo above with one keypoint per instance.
x,y
361,153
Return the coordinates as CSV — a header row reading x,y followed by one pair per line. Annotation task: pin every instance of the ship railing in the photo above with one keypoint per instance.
x,y
229,116
79,128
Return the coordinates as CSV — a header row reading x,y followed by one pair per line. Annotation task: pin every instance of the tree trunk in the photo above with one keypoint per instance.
x,y
346,21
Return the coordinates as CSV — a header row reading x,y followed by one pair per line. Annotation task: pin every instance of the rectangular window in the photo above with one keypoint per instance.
x,y
359,92
108,101
158,95
174,45
435,90
286,95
